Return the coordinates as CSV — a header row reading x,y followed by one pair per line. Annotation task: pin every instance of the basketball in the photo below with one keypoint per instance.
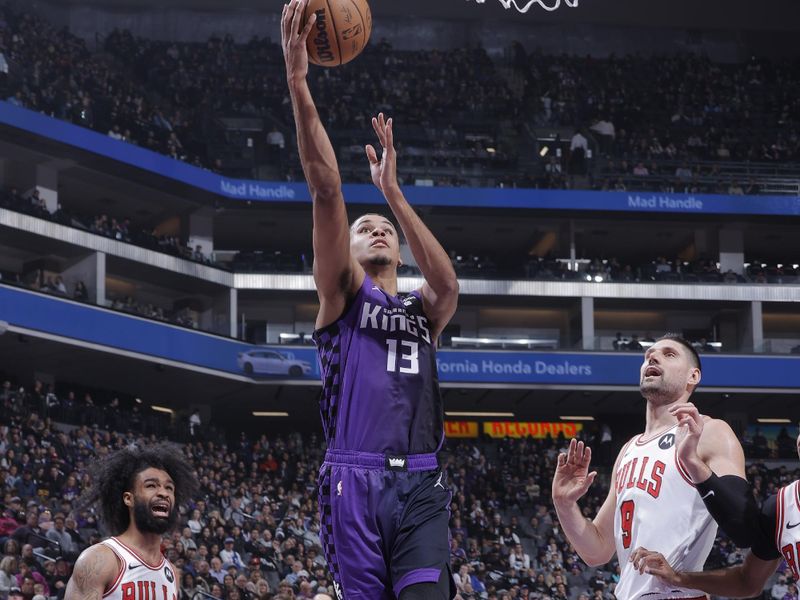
x,y
341,32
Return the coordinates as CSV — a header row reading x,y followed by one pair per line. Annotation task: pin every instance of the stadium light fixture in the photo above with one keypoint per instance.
x,y
451,413
163,409
543,152
576,418
766,420
261,413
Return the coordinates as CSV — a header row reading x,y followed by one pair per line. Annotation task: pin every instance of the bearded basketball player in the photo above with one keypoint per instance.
x,y
138,493
653,501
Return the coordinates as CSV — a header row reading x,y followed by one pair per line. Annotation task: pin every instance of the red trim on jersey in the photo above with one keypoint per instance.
x,y
617,462
640,442
625,447
796,494
779,519
682,470
138,556
117,581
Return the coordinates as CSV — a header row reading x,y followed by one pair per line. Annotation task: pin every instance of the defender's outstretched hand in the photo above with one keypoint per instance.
x,y
653,563
293,40
383,171
572,478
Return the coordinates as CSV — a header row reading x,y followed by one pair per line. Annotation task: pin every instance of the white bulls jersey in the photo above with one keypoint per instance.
x,y
139,580
658,508
787,529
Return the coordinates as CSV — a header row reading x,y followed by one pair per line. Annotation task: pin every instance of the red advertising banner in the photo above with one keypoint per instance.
x,y
461,429
512,429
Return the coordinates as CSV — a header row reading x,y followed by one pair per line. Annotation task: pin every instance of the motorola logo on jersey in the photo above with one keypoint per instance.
x,y
168,574
666,441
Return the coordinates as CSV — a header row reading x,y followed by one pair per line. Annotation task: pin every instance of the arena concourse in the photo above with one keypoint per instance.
x,y
598,175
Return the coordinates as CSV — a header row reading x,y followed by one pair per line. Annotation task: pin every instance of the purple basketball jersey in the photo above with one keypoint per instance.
x,y
380,387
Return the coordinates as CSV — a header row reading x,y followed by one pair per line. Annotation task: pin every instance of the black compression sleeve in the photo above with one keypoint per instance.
x,y
764,547
731,503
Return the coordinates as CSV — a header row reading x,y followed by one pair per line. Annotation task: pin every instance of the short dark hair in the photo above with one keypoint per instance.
x,y
693,355
116,474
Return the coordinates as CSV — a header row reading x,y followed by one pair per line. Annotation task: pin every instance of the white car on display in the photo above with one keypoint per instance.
x,y
271,362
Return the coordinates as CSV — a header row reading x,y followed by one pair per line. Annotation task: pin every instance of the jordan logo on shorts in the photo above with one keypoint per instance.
x,y
339,489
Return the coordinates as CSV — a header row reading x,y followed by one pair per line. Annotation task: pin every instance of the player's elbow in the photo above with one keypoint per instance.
x,y
750,588
595,562
448,287
598,559
328,192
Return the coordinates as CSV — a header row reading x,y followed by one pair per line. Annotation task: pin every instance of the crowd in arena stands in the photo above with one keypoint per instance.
x,y
119,229
41,281
253,532
660,269
182,316
649,124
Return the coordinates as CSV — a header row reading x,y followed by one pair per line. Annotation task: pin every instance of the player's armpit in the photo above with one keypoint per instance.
x,y
95,570
439,306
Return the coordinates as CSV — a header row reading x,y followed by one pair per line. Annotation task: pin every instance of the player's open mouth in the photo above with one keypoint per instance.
x,y
652,371
160,509
379,243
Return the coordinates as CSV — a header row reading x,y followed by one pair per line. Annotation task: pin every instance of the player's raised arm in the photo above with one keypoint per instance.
x,y
440,290
95,571
334,270
592,540
714,459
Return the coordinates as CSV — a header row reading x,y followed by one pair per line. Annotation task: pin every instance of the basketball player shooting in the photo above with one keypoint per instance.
x,y
652,501
383,500
138,493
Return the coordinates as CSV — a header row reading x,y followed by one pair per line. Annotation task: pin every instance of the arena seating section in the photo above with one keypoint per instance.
x,y
681,123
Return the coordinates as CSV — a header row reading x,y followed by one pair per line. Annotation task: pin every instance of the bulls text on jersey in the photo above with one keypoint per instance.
x,y
144,590
635,472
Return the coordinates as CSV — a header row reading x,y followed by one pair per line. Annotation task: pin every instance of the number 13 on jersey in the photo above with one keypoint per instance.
x,y
408,362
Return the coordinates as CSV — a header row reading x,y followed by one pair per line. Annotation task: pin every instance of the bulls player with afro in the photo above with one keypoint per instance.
x,y
138,492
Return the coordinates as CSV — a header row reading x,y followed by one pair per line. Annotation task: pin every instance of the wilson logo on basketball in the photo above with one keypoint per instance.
x,y
321,39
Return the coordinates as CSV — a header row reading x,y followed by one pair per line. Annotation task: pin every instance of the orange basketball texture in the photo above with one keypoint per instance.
x,y
341,32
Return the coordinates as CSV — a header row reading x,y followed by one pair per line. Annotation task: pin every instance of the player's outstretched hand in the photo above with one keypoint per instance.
x,y
293,39
690,428
648,562
572,478
383,170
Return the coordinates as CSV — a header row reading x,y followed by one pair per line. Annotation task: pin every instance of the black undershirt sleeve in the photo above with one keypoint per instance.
x,y
764,545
